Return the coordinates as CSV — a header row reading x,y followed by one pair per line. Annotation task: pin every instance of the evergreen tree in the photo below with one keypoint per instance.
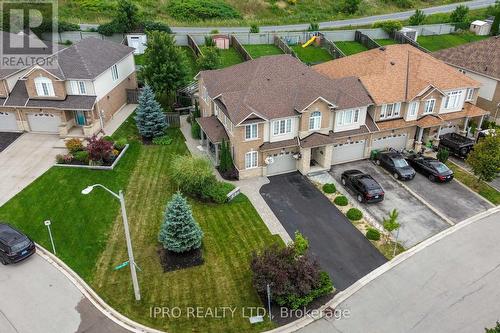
x,y
195,127
223,158
149,115
164,66
179,231
126,16
418,18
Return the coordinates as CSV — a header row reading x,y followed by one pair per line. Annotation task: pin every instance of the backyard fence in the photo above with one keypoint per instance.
x,y
365,40
173,119
194,46
240,49
328,45
279,42
401,38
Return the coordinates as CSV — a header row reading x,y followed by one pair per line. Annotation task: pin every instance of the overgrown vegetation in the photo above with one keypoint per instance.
x,y
389,26
200,10
484,159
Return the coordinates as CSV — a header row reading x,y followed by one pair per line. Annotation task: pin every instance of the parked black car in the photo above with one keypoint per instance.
x,y
396,164
364,186
457,144
14,245
431,168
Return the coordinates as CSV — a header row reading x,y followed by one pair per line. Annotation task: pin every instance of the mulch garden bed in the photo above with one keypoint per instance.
x,y
172,261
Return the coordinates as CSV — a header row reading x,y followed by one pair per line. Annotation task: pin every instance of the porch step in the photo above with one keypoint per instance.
x,y
317,173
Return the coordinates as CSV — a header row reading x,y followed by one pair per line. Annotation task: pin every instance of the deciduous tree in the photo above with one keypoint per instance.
x,y
485,158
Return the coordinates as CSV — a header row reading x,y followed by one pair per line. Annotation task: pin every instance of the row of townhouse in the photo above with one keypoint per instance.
x,y
281,115
74,93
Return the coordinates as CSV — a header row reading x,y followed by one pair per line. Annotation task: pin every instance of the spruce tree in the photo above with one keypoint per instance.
x,y
149,115
179,231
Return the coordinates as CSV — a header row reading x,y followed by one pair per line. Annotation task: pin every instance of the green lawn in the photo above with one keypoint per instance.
x,y
139,59
383,42
438,42
260,50
229,57
312,54
89,237
191,62
351,47
482,188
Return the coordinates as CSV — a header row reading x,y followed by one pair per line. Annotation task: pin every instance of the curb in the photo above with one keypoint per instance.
x,y
92,296
345,294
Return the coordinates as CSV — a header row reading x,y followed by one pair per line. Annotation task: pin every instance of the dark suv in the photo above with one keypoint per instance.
x,y
363,185
395,163
14,245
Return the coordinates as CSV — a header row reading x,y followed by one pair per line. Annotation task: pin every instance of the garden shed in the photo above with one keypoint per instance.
x,y
480,28
221,41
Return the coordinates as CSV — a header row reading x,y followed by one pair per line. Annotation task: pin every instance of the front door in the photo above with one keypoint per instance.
x,y
80,118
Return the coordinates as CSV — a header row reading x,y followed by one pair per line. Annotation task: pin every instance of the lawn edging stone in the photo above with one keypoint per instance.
x,y
96,167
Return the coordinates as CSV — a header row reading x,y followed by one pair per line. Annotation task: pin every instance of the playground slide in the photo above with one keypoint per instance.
x,y
306,44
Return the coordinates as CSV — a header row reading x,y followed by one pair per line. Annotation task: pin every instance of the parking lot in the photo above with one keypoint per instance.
x,y
418,222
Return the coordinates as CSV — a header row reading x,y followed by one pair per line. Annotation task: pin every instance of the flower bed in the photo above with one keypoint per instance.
x,y
99,153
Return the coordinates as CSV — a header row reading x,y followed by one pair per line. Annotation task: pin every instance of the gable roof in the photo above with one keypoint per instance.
x,y
276,87
396,73
482,57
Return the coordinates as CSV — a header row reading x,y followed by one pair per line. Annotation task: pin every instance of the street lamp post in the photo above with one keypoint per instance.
x,y
120,197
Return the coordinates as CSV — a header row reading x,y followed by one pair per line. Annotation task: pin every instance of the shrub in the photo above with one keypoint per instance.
x,y
74,145
254,29
120,143
226,160
389,26
163,140
217,191
192,174
403,3
354,214
64,158
459,16
195,130
340,200
99,149
209,41
373,234
296,280
108,29
329,188
82,156
210,58
443,154
199,10
155,26
313,26
350,6
301,244
417,18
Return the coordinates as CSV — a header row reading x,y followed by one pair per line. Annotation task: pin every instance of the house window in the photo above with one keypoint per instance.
x,y
216,110
78,87
413,109
315,120
282,126
114,72
453,99
429,106
251,160
390,110
348,117
44,86
251,132
470,94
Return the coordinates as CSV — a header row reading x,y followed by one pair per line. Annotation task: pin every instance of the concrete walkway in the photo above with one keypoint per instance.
x,y
249,187
118,118
24,161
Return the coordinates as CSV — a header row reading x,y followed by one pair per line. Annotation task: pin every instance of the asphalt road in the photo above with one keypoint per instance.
x,y
475,4
449,286
341,249
36,297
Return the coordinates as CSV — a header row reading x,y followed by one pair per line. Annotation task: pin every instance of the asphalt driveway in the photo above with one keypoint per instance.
x,y
452,199
6,138
418,222
340,248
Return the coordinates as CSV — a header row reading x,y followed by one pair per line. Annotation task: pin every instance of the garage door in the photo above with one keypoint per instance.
x,y
281,163
44,122
8,121
349,151
396,142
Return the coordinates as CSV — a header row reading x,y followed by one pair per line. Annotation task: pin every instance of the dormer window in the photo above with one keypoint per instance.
x,y
452,101
315,121
44,86
392,110
78,88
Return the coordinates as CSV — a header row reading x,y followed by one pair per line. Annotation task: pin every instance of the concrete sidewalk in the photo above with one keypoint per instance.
x,y
118,118
249,187
24,161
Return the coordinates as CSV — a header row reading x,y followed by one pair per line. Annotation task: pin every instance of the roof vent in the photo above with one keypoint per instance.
x,y
393,63
382,48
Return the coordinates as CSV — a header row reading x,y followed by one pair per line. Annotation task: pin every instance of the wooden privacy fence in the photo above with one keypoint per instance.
x,y
403,39
330,46
365,40
192,44
173,119
240,48
279,42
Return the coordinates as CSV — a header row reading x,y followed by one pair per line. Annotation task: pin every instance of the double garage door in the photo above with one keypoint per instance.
x,y
396,142
281,163
348,151
8,121
44,122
